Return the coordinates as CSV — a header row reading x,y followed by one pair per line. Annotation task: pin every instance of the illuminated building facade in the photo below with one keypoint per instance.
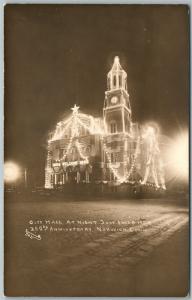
x,y
111,150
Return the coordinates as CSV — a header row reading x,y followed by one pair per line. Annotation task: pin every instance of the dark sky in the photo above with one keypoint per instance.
x,y
59,55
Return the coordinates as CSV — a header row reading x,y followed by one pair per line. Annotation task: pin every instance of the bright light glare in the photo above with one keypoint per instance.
x,y
11,172
150,130
178,157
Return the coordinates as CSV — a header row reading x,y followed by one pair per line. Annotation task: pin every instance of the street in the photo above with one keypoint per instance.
x,y
96,247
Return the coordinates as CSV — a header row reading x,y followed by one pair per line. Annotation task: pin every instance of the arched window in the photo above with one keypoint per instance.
x,y
120,81
114,81
113,127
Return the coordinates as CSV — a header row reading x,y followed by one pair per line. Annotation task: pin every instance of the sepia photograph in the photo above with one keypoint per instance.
x,y
96,150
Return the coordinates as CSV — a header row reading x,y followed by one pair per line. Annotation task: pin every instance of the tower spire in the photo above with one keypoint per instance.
x,y
117,77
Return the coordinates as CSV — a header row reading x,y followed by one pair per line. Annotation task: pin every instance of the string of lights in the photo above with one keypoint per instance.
x,y
77,120
134,159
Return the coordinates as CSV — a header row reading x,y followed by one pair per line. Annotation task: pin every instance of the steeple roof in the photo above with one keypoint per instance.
x,y
116,64
117,68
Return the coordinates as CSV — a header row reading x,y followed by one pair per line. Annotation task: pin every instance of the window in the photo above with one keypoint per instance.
x,y
113,157
114,81
73,150
88,150
113,127
61,153
120,81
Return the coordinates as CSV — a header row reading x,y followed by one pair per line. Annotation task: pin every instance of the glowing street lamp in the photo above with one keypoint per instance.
x,y
12,172
178,157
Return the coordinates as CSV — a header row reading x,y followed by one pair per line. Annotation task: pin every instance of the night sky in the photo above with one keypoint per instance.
x,y
59,55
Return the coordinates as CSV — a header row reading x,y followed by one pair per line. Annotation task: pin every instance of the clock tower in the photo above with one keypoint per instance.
x,y
117,109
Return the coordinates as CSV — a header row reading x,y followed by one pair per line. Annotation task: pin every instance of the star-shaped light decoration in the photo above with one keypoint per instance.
x,y
75,109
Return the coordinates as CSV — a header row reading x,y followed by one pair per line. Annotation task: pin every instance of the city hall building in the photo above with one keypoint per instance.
x,y
111,150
